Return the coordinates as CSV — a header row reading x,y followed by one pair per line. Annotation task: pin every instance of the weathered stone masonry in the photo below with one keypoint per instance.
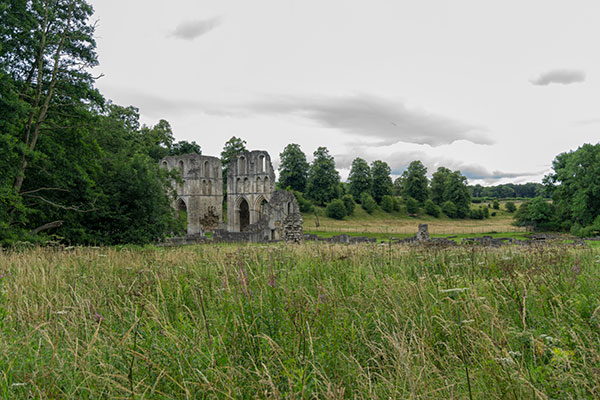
x,y
201,193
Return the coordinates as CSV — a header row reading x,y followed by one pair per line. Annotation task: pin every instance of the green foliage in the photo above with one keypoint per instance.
x,y
485,211
304,204
431,208
496,205
414,182
476,213
336,209
412,205
293,169
349,203
185,147
368,203
538,213
457,192
510,206
232,148
387,203
438,185
575,185
382,181
449,208
360,179
323,183
396,202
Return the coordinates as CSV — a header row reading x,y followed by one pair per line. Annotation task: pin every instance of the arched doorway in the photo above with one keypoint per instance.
x,y
244,215
182,211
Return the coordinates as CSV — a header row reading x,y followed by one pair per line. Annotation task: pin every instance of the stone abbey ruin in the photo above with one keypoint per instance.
x,y
256,212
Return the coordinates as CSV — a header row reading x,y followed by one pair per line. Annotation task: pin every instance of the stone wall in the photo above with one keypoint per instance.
x,y
201,192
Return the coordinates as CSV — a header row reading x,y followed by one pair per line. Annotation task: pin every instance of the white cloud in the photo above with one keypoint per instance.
x,y
560,76
190,30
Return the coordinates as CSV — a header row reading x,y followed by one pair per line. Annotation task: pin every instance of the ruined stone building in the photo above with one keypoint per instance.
x,y
201,193
256,212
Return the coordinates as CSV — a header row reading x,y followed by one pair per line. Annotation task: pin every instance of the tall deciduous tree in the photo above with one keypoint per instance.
x,y
293,169
360,179
414,182
458,193
438,185
575,185
382,181
323,179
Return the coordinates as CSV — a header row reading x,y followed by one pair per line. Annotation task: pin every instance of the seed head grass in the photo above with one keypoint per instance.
x,y
307,321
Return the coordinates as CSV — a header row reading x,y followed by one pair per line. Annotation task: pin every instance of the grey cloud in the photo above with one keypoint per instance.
x,y
366,116
560,76
190,30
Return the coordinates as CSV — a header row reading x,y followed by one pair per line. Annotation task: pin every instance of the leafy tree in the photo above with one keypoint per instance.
x,y
476,213
349,203
185,147
431,208
449,208
496,205
387,203
396,203
458,193
438,184
575,185
232,147
412,205
368,203
323,183
510,206
485,211
336,209
538,213
382,181
397,189
414,182
293,170
360,180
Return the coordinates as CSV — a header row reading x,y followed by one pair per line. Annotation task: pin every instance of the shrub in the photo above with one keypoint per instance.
x,y
387,203
496,205
476,213
432,209
349,203
412,205
510,207
304,204
485,212
449,208
336,209
493,214
396,203
368,203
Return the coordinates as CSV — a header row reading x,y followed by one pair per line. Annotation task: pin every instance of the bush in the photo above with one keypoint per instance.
x,y
396,203
496,205
476,213
349,203
485,212
432,209
304,204
510,207
336,209
387,203
412,205
449,208
368,203
493,214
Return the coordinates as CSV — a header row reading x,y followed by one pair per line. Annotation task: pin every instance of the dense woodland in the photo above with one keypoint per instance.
x,y
80,169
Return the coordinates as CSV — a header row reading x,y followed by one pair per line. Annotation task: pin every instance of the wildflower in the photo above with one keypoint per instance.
x,y
98,317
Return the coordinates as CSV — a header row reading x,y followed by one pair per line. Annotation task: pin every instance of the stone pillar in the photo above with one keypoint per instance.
x,y
423,233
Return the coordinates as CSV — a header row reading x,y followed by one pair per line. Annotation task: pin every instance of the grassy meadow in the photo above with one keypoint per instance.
x,y
399,223
306,321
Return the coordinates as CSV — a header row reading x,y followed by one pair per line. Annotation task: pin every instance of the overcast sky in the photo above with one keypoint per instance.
x,y
494,88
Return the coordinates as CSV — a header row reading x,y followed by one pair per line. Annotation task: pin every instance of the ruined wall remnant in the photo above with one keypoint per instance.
x,y
250,185
201,193
423,233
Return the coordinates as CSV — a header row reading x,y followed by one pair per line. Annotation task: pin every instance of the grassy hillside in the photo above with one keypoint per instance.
x,y
400,223
310,321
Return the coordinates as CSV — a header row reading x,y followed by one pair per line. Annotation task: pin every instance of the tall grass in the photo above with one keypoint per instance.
x,y
309,321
